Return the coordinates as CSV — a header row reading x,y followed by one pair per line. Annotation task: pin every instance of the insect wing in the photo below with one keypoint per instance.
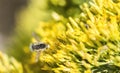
x,y
36,36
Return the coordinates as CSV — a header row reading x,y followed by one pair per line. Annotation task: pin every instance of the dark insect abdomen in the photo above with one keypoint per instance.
x,y
38,46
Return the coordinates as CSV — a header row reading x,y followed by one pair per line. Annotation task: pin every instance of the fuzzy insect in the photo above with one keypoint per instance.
x,y
38,46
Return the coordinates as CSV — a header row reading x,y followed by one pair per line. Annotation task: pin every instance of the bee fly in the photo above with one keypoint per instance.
x,y
38,47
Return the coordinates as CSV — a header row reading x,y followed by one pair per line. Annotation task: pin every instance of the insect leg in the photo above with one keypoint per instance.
x,y
37,56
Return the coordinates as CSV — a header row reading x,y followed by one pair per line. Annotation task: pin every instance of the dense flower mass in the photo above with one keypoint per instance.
x,y
82,37
84,43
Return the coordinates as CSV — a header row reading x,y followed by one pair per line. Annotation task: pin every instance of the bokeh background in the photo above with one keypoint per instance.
x,y
8,14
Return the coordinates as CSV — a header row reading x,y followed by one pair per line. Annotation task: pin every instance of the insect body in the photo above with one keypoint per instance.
x,y
38,47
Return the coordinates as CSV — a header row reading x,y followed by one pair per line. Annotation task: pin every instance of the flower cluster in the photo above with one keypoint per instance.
x,y
85,43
